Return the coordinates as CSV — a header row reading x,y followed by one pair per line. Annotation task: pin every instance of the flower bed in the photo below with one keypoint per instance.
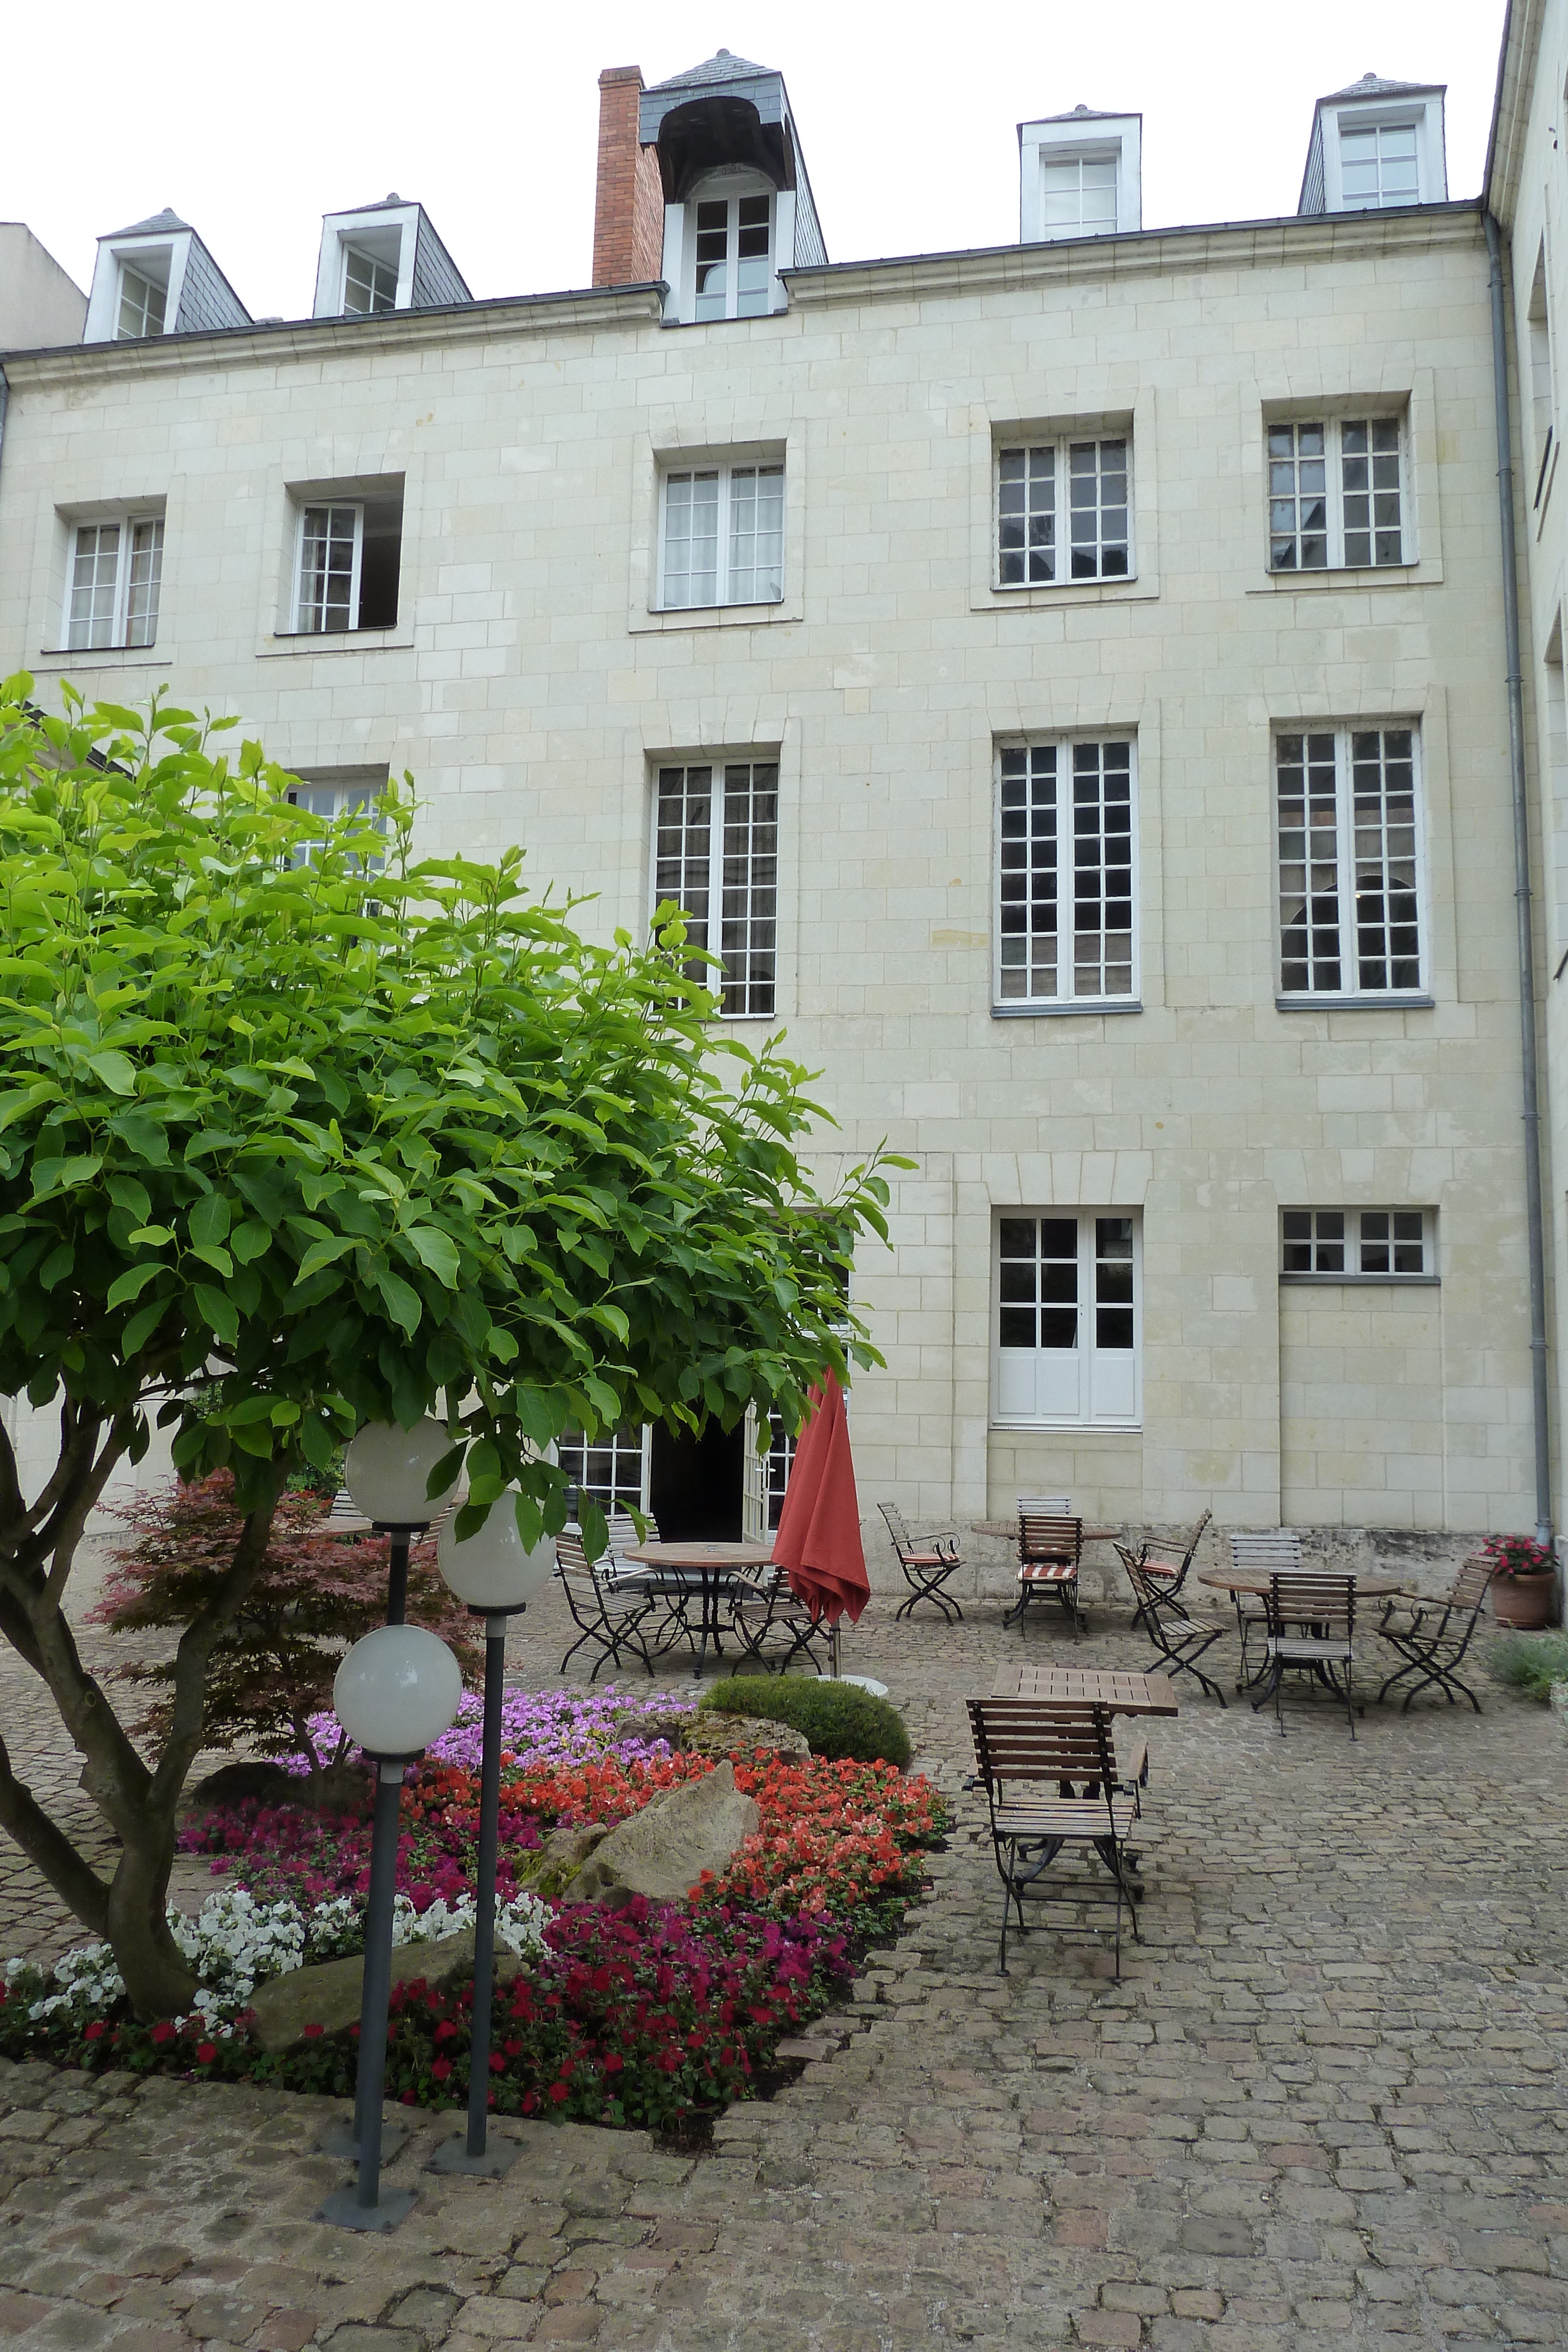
x,y
634,2017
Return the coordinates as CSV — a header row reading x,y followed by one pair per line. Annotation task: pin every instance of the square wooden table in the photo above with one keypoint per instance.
x,y
1116,1692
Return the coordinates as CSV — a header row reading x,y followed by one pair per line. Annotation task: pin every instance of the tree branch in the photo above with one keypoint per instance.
x,y
187,1705
72,1878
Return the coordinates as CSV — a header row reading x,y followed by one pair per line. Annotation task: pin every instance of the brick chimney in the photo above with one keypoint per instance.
x,y
629,203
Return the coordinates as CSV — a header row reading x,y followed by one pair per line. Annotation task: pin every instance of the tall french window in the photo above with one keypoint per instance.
x,y
1066,929
117,570
1349,882
716,856
722,540
1068,1317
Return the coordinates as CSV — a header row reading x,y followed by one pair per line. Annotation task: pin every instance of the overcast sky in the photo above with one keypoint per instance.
x,y
253,121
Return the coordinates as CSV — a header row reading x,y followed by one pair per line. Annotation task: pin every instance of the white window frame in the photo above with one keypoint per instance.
x,y
331,797
737,497
378,264
1053,823
1317,1244
122,617
1083,1386
300,620
758,989
631,1444
1364,125
1061,159
152,284
733,194
1304,848
1044,468
1337,495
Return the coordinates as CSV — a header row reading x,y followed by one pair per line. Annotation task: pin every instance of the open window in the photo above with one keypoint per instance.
x,y
114,580
347,558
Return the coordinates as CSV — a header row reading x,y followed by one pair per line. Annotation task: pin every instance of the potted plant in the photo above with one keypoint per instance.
x,y
1524,1580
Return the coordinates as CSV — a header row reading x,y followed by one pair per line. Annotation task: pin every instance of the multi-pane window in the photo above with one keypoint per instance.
x,y
1378,166
612,1468
117,569
1350,920
723,536
348,561
716,856
1065,930
319,796
1336,494
1063,512
734,255
1078,195
367,284
777,1465
143,305
1067,1329
1347,1243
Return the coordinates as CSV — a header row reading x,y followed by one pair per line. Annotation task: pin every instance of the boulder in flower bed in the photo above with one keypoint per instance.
x,y
663,1851
725,1735
291,2010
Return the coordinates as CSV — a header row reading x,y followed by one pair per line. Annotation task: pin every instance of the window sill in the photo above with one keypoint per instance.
x,y
1043,596
1387,1002
1079,1007
1078,1428
1374,575
335,641
717,616
1362,1281
103,657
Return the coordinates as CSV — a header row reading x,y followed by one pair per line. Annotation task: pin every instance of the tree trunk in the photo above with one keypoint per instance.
x,y
160,1982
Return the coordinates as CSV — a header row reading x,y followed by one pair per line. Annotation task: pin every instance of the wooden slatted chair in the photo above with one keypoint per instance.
x,y
1180,1638
1167,1576
608,1611
772,1623
1259,1551
1432,1636
1311,1627
927,1562
1026,1754
1050,1554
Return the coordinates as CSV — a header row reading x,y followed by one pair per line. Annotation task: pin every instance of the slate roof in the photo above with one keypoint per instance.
x,y
1372,85
721,67
1085,115
163,224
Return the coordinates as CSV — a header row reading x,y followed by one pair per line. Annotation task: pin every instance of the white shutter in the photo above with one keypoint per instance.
x,y
753,1484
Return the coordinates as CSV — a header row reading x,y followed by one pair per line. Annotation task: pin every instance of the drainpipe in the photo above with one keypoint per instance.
x,y
1539,1392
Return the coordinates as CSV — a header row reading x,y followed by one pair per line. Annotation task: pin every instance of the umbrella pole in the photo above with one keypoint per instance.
x,y
833,1648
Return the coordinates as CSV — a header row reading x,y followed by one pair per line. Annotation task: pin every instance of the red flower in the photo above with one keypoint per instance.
x,y
614,2062
163,2032
442,2068
311,2032
206,2052
95,2030
559,2091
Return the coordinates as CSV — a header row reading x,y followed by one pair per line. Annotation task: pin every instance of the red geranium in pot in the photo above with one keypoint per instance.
x,y
1524,1580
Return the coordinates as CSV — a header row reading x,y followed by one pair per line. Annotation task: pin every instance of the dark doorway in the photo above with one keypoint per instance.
x,y
695,1482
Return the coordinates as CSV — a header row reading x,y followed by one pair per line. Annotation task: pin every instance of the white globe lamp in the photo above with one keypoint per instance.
x,y
397,1690
387,1472
492,1570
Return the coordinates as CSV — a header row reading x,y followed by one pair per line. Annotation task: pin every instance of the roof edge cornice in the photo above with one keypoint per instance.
x,y
1314,237
1518,55
315,339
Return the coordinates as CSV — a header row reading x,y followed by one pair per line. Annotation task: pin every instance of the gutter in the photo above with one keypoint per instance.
x,y
1540,1396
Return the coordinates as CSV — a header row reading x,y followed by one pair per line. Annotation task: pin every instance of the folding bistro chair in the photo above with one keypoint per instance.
x,y
1051,1554
1180,1638
609,1610
927,1562
772,1623
1432,1636
1312,1622
1256,1552
1167,1576
1027,1754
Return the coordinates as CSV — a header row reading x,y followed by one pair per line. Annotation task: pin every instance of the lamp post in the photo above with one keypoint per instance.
x,y
387,1471
496,1575
397,1690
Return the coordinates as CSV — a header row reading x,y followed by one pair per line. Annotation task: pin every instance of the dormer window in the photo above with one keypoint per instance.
x,y
1078,195
142,302
734,255
367,284
347,558
1079,175
1377,167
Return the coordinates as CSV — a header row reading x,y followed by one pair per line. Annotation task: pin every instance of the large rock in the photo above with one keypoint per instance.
x,y
328,1995
662,1851
716,1733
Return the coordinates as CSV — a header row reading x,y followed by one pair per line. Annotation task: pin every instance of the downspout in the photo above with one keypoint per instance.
x,y
1539,1385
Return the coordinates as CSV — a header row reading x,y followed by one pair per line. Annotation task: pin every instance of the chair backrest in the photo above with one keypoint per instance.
x,y
1471,1583
1265,1551
1195,1538
623,1532
1312,1600
580,1575
1035,1739
1055,1507
1049,1536
901,1543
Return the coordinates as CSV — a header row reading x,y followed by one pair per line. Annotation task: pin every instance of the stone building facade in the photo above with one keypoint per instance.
x,y
1072,675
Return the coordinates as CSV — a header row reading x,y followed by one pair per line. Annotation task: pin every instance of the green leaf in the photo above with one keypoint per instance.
x,y
132,1283
403,1304
218,1259
50,1176
56,1266
116,1071
250,1240
209,1220
142,1327
155,1236
127,1193
216,1311
327,1252
436,1250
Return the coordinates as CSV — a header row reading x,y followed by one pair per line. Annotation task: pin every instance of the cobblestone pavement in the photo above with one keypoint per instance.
x,y
1324,2105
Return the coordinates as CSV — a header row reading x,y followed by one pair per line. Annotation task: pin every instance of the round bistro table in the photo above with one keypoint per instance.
x,y
706,1565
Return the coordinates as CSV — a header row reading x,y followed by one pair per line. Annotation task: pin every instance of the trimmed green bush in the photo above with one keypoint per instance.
x,y
837,1719
1531,1663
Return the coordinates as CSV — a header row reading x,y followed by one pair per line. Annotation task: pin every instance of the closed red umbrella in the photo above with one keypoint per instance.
x,y
819,1538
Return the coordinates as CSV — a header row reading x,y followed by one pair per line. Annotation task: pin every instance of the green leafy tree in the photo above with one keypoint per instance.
x,y
298,1132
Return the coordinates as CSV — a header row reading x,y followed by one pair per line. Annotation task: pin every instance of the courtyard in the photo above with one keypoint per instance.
x,y
1325,2103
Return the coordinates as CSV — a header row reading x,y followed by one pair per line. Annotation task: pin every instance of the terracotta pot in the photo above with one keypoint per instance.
x,y
1524,1601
